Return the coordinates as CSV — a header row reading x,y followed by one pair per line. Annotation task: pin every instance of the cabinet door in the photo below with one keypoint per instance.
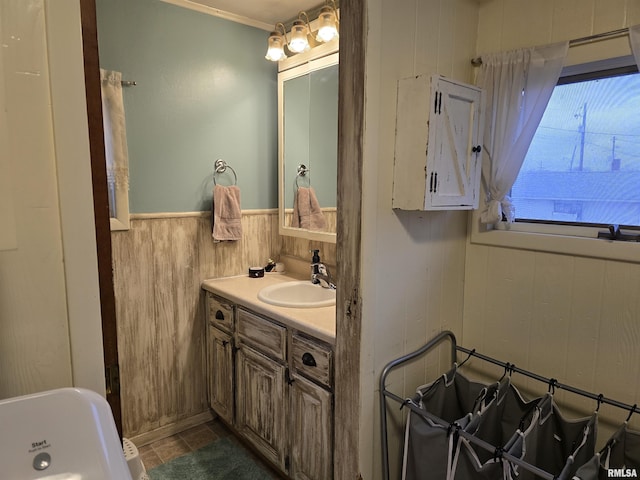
x,y
311,416
453,156
260,403
439,127
221,373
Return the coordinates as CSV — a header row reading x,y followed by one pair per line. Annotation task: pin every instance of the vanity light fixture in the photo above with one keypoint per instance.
x,y
276,43
301,36
327,23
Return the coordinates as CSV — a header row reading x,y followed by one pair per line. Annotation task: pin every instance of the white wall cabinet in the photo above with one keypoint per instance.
x,y
274,386
439,129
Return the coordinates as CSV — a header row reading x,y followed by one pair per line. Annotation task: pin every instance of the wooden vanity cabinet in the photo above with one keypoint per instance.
x,y
221,391
220,349
280,382
311,409
260,385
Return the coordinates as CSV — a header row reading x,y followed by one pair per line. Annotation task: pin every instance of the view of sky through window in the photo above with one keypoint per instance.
x,y
584,162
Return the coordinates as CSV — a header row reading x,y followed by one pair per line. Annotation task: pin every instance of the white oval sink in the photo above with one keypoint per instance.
x,y
302,294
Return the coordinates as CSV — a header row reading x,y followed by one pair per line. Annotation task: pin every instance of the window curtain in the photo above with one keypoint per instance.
x,y
518,86
634,39
115,136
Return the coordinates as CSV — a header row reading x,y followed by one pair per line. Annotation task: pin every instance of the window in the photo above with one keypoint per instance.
x,y
583,166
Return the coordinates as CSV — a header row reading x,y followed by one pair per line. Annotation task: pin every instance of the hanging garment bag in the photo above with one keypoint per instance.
x,y
620,458
452,399
506,424
558,445
503,418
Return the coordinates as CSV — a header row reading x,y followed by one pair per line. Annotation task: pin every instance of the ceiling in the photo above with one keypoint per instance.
x,y
264,12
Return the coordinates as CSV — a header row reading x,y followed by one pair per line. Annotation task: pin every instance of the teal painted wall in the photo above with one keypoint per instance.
x,y
204,92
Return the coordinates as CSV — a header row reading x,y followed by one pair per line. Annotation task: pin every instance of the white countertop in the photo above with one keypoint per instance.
x,y
243,290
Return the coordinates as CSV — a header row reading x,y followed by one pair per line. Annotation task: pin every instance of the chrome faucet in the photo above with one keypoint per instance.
x,y
323,277
320,274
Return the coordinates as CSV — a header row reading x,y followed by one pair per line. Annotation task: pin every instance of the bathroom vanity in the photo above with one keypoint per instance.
x,y
270,373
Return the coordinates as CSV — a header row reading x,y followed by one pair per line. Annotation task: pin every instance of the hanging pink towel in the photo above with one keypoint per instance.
x,y
226,213
307,213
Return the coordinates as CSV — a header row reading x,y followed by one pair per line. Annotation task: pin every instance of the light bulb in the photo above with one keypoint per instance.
x,y
299,42
328,29
275,47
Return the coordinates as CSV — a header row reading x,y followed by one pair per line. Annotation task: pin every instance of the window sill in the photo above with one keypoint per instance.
x,y
521,236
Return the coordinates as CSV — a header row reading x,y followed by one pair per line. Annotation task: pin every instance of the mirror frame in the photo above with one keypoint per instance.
x,y
309,66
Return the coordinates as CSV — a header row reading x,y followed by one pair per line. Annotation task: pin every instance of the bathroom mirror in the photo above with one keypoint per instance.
x,y
308,148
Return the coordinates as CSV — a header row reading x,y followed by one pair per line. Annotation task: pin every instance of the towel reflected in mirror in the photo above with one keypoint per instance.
x,y
307,213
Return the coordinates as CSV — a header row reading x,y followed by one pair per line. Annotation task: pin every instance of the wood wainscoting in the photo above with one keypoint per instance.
x,y
158,266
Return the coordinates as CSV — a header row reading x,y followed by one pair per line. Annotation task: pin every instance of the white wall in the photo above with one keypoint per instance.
x,y
573,318
73,162
413,263
47,286
34,344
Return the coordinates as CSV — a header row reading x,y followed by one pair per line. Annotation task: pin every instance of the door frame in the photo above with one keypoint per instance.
x,y
353,40
100,202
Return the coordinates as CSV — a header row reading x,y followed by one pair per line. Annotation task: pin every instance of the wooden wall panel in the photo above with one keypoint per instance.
x,y
413,262
179,329
158,267
134,279
257,247
509,24
301,248
572,318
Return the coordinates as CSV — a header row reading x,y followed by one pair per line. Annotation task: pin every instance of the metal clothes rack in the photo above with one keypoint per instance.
x,y
434,342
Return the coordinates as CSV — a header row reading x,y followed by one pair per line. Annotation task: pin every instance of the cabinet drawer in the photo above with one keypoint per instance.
x,y
220,313
262,334
312,359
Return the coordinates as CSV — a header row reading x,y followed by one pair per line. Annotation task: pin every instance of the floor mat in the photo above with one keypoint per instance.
x,y
221,460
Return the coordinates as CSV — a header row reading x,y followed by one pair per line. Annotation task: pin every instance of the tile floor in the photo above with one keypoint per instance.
x,y
167,449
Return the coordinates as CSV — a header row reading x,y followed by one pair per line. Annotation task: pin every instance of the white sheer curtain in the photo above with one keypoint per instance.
x,y
518,86
634,39
115,139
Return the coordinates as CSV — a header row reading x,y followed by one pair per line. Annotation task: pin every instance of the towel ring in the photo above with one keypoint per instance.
x,y
302,172
221,167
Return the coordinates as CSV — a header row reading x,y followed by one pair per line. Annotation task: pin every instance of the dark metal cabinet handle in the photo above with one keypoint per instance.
x,y
308,360
219,315
288,378
476,149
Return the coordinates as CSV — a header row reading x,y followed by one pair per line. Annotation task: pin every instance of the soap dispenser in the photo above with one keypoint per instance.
x,y
315,265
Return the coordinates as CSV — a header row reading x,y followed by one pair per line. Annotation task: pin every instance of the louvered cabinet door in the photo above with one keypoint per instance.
x,y
221,373
260,415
